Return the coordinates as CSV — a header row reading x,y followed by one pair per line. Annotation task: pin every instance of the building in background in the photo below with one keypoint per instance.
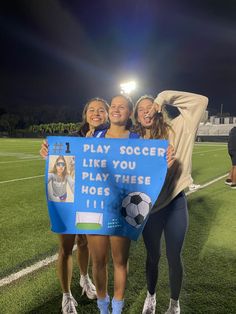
x,y
215,128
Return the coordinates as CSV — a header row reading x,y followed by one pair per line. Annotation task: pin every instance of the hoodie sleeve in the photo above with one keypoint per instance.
x,y
191,106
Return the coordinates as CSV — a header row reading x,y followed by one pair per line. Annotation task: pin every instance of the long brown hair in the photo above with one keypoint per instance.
x,y
54,169
85,126
160,128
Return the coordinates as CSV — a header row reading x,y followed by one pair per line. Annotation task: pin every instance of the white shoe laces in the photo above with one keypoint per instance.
x,y
174,308
89,288
149,305
69,305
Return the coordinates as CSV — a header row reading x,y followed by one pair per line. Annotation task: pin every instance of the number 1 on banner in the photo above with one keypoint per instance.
x,y
67,148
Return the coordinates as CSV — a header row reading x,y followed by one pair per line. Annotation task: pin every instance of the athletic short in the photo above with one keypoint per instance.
x,y
63,197
232,154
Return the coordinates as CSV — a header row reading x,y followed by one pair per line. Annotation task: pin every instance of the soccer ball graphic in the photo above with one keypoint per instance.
x,y
135,208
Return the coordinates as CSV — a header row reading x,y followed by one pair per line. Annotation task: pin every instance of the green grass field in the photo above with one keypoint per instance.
x,y
209,255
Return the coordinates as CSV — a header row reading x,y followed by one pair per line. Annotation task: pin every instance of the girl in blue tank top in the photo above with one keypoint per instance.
x,y
103,132
120,111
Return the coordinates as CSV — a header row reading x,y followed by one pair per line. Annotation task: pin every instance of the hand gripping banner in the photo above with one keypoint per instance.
x,y
103,186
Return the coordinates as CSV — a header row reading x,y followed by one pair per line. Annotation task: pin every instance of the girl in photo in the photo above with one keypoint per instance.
x,y
59,178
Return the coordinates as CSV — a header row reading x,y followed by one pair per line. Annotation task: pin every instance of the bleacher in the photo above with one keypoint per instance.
x,y
209,132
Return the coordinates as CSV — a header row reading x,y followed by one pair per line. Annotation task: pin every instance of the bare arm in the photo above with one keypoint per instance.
x,y
170,156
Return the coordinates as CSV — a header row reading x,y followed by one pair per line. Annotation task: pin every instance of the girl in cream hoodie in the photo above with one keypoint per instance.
x,y
169,214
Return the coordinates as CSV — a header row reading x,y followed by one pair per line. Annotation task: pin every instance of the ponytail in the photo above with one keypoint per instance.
x,y
160,127
129,124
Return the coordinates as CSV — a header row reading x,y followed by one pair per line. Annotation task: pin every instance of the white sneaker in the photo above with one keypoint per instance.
x,y
228,181
194,187
174,307
149,306
68,305
88,287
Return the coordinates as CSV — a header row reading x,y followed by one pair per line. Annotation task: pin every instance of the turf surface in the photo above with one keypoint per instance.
x,y
209,255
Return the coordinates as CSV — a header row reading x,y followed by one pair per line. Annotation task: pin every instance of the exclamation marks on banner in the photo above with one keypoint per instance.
x,y
95,204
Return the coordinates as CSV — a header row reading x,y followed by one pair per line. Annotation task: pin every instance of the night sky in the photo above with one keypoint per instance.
x,y
56,54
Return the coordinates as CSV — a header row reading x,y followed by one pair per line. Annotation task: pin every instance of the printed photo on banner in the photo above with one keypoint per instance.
x,y
61,178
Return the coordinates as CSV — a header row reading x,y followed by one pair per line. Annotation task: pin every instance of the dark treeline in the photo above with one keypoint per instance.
x,y
51,119
24,118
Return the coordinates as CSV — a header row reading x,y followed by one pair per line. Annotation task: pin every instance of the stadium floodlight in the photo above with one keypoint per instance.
x,y
127,87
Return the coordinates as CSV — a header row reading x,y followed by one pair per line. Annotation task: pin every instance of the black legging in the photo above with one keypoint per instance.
x,y
173,220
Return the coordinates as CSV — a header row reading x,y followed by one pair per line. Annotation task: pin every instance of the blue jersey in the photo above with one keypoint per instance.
x,y
102,133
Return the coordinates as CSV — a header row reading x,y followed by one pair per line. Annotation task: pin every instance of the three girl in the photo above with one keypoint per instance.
x,y
169,215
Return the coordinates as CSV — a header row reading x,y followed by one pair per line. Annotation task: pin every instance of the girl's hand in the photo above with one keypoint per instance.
x,y
170,156
44,150
155,108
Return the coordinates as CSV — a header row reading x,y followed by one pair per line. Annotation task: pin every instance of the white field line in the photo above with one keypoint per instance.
x,y
208,151
210,144
19,155
21,179
28,270
208,183
23,160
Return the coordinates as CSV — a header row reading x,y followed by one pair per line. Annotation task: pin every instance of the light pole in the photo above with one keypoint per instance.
x,y
221,110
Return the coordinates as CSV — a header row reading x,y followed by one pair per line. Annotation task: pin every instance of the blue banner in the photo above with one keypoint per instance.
x,y
103,186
